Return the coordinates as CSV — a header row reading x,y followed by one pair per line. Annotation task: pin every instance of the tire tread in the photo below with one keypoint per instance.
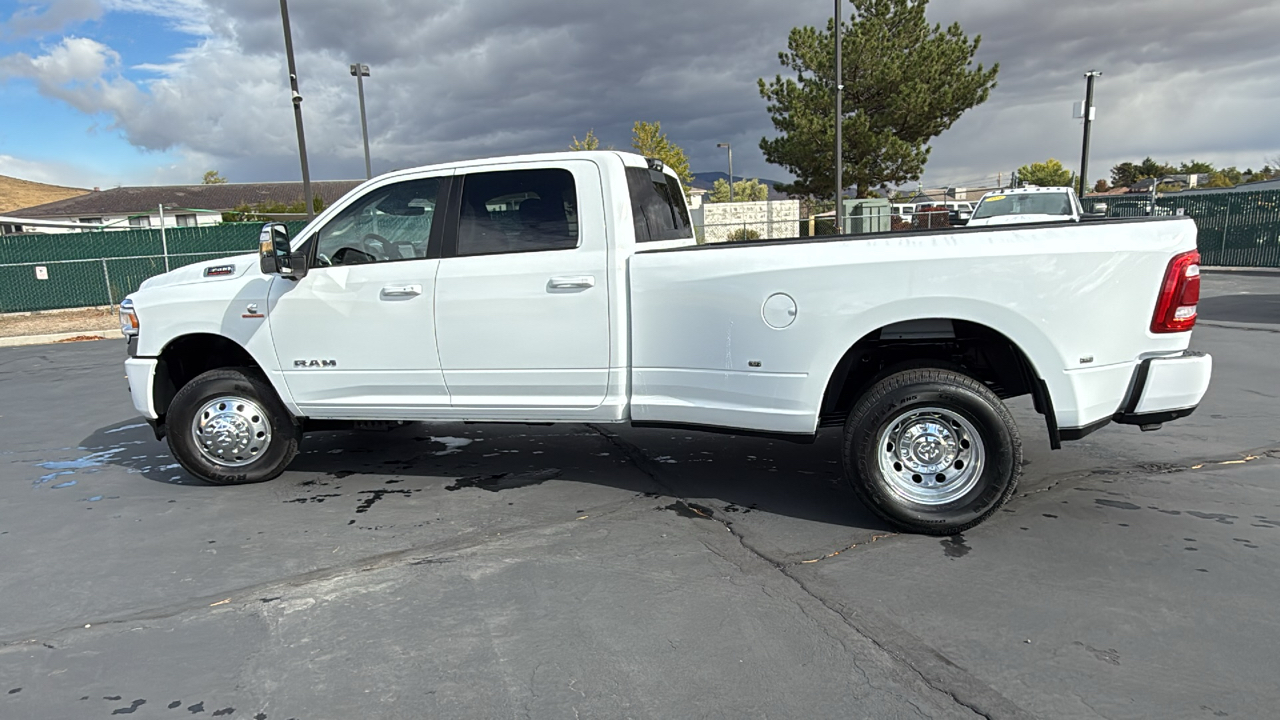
x,y
875,397
289,436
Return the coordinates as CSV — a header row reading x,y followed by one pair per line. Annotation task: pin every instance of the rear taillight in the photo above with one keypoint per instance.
x,y
1176,307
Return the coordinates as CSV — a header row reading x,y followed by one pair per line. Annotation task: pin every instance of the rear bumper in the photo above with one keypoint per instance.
x,y
1166,388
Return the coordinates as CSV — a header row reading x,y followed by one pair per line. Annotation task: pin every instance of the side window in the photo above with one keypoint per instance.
x,y
518,211
389,223
657,206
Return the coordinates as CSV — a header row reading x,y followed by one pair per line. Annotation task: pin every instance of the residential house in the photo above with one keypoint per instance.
x,y
183,205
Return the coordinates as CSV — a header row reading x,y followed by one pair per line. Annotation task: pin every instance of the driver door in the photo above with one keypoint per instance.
x,y
356,337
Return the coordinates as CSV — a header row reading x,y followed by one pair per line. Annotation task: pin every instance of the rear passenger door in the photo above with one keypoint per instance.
x,y
522,297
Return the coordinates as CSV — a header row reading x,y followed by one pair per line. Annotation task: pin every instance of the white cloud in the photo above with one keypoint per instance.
x,y
53,17
74,60
54,173
38,171
188,16
79,71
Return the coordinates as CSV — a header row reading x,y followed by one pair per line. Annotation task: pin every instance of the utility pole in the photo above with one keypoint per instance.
x,y
839,123
729,147
360,72
297,110
1087,113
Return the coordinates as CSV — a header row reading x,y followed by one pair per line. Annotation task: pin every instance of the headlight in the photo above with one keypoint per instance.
x,y
128,318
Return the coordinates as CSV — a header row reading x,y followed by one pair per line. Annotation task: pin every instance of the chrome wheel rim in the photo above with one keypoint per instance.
x,y
930,456
231,431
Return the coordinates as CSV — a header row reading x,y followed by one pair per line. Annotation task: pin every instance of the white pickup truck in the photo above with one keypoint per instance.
x,y
569,287
1021,206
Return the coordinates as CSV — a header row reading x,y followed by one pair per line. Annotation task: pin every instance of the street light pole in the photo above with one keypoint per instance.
x,y
360,72
839,122
297,110
1088,125
729,147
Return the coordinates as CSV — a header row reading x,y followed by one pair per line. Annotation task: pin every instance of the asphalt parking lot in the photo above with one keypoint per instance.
x,y
472,571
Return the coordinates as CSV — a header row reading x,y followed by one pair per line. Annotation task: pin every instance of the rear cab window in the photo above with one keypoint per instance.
x,y
657,206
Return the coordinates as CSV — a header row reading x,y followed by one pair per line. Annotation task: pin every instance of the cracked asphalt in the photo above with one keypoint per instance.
x,y
474,571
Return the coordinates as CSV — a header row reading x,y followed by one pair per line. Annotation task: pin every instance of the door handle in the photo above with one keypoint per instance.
x,y
571,282
402,290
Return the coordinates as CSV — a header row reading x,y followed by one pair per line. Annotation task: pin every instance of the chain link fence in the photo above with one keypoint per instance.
x,y
1236,229
70,270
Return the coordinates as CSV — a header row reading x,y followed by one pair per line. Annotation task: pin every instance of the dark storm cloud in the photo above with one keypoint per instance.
x,y
1181,79
486,78
450,80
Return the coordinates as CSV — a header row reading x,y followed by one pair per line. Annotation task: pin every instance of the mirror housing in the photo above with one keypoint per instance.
x,y
274,256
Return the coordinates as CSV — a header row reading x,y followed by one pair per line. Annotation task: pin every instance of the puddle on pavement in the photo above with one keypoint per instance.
x,y
955,546
505,481
123,428
100,456
1118,504
88,463
376,495
452,445
690,510
1222,518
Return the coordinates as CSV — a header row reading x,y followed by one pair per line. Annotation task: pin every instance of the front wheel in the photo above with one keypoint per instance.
x,y
228,427
932,451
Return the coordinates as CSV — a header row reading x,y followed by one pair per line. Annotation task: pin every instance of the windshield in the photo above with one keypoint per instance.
x,y
1024,204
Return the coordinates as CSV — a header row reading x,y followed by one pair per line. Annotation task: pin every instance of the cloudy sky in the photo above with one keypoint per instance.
x,y
111,92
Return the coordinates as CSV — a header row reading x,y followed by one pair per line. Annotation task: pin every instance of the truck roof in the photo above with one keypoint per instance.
x,y
1028,190
628,159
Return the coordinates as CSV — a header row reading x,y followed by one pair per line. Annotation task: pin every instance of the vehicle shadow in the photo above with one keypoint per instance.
x,y
744,474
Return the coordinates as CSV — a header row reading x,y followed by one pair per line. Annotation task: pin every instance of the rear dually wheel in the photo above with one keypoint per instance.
x,y
932,451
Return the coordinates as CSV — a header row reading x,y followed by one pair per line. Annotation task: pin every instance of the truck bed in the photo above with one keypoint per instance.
x,y
703,353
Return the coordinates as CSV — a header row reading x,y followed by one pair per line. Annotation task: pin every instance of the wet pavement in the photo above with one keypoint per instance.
x,y
575,571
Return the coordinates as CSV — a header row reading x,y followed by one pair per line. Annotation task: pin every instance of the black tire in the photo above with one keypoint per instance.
x,y
888,406
285,433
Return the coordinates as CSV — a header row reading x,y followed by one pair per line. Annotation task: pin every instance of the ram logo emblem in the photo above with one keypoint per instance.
x,y
315,363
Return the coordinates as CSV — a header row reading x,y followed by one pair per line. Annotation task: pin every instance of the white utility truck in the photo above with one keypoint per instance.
x,y
570,288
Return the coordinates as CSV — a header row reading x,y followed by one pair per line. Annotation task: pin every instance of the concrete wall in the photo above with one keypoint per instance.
x,y
772,219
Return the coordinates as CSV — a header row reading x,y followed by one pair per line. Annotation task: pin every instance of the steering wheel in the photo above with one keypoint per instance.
x,y
368,249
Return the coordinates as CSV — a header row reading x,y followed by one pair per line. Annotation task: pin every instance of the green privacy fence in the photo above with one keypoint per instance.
x,y
1238,228
1235,229
68,270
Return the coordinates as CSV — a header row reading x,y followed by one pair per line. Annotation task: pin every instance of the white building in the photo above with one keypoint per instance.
x,y
140,208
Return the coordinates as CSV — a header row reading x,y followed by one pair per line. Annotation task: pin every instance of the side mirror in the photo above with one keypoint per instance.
x,y
274,257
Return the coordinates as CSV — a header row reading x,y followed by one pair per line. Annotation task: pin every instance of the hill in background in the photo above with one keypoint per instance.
x,y
16,194
705,180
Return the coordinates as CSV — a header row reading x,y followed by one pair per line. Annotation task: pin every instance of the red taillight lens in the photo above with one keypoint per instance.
x,y
1176,306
